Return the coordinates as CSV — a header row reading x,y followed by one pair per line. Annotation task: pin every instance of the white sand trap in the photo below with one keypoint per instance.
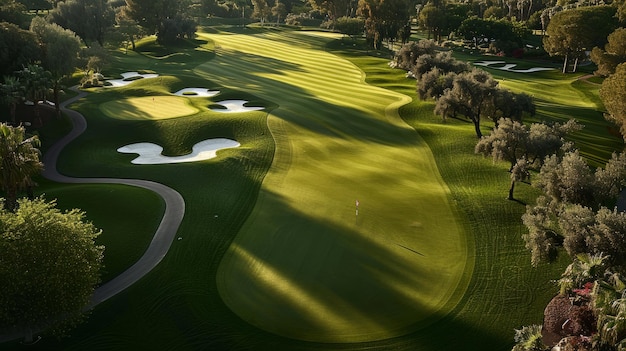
x,y
235,106
196,92
129,77
150,154
509,67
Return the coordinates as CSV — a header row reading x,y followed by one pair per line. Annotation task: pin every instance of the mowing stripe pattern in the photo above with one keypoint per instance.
x,y
307,264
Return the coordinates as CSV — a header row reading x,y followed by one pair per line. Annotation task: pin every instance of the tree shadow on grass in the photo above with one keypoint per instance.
x,y
333,114
304,278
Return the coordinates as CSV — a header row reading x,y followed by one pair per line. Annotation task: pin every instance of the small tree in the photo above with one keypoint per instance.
x,y
49,267
62,49
19,161
442,60
12,94
279,10
511,140
609,302
350,26
261,10
127,28
472,94
406,57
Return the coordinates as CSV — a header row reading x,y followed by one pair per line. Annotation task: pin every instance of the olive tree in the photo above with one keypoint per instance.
x,y
524,148
49,267
62,49
406,57
572,214
471,95
89,19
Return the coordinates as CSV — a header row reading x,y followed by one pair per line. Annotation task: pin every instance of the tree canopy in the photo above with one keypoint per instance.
x,y
165,18
570,33
49,266
613,94
471,95
19,161
485,30
613,53
89,19
384,19
572,213
407,56
18,48
524,148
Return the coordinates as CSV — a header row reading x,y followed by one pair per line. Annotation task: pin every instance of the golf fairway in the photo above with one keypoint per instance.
x,y
305,265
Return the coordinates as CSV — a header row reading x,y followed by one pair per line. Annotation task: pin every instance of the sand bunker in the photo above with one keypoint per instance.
x,y
196,92
150,154
129,77
231,106
509,67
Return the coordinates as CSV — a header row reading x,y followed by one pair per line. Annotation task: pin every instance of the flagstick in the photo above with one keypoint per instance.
x,y
356,218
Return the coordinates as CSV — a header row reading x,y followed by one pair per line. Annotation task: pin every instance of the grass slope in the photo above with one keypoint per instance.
x,y
177,306
160,107
303,265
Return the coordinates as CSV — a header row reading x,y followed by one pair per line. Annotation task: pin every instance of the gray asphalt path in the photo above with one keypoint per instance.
x,y
165,233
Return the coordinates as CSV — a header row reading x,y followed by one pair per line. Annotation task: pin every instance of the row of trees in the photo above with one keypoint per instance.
x,y
458,88
574,216
573,33
49,262
500,34
611,62
57,52
576,213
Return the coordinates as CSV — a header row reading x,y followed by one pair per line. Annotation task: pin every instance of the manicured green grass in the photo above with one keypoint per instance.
x,y
505,292
128,220
177,306
156,107
560,97
304,260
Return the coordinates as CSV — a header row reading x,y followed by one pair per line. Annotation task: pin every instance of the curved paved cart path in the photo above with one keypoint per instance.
x,y
165,233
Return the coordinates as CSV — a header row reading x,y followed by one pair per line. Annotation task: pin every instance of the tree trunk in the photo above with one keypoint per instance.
x,y
476,121
511,190
565,65
575,65
11,200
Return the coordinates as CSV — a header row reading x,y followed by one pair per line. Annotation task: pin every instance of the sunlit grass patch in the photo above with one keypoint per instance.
x,y
304,260
149,107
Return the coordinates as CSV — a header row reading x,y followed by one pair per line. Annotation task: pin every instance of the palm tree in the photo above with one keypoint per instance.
x,y
609,300
19,160
12,93
37,82
529,339
586,268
